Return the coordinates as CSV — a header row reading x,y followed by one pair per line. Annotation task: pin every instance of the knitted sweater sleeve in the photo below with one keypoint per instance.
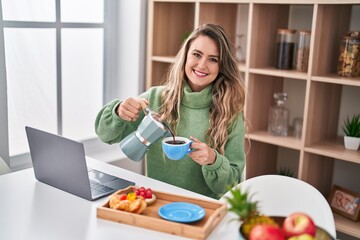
x,y
109,127
228,168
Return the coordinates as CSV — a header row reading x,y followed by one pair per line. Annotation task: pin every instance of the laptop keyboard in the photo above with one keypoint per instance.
x,y
97,188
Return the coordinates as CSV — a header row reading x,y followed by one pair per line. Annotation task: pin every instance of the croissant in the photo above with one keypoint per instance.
x,y
136,206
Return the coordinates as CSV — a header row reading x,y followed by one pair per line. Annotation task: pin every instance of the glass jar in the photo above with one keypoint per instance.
x,y
302,53
297,127
285,48
278,116
349,56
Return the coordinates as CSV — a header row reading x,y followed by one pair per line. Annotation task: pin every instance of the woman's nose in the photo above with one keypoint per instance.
x,y
202,62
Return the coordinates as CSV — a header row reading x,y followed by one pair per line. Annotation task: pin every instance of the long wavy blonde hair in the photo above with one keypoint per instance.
x,y
228,92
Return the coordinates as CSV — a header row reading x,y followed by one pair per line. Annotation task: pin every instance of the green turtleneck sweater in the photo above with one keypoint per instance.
x,y
210,180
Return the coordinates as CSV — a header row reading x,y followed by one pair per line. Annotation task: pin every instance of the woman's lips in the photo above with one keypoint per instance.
x,y
200,74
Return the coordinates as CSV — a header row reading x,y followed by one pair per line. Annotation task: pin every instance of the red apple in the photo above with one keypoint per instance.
x,y
266,232
297,224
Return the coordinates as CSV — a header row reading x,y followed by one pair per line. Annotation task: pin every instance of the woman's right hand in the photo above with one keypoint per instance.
x,y
130,109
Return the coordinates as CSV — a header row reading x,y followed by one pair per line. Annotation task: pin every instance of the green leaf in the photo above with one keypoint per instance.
x,y
241,204
351,126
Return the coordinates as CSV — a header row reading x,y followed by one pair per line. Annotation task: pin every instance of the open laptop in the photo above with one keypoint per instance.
x,y
61,163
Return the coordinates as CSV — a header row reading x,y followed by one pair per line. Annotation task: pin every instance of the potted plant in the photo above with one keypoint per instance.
x,y
351,129
285,171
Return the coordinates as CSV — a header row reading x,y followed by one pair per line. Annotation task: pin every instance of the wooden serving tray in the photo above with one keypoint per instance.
x,y
150,219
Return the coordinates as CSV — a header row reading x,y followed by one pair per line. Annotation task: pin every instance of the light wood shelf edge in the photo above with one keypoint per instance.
x,y
263,136
279,73
330,148
333,78
334,149
165,59
347,226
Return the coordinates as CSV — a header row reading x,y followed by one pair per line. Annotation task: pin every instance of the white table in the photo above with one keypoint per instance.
x,y
30,209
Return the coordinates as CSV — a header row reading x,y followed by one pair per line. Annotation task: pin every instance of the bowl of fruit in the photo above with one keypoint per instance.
x,y
257,226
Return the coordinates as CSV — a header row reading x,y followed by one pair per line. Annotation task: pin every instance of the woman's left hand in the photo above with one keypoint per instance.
x,y
202,153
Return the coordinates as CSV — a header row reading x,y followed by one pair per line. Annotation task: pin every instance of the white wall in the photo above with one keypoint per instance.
x,y
4,147
131,67
132,41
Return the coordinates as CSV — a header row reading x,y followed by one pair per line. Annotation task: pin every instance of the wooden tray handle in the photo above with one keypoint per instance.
x,y
214,220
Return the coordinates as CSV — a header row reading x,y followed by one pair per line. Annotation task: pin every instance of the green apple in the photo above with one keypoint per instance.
x,y
302,237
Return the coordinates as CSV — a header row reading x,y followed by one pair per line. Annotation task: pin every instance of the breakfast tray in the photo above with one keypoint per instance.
x,y
149,218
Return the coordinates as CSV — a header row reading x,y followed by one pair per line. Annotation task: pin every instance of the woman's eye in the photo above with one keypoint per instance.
x,y
196,54
214,60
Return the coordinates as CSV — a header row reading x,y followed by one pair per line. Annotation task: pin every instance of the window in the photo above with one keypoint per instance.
x,y
55,72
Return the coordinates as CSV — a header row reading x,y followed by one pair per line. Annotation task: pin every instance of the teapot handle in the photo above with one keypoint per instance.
x,y
144,106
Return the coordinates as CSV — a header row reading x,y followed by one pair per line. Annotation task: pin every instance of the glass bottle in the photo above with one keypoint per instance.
x,y
302,53
285,48
349,56
278,116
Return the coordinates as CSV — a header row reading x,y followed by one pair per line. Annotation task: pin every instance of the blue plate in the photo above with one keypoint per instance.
x,y
181,212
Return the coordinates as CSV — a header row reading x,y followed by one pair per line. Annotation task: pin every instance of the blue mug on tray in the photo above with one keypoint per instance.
x,y
178,149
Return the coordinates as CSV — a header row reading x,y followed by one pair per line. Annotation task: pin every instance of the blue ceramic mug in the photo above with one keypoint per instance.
x,y
177,150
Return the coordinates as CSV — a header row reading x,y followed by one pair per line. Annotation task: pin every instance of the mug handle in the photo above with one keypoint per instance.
x,y
190,149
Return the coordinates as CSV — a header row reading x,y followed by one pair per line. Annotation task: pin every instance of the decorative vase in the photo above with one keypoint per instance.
x,y
351,143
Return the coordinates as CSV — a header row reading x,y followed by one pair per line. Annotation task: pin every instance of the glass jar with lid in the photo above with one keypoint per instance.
x,y
278,116
349,56
285,48
303,50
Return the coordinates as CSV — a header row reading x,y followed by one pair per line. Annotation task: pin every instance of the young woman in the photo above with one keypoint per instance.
x,y
203,99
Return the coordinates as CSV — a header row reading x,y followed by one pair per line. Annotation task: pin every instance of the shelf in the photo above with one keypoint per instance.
x,y
288,142
242,66
333,78
347,226
169,35
334,149
165,59
270,71
319,96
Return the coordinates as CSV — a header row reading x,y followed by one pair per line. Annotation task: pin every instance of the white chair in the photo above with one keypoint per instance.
x,y
280,196
4,168
243,175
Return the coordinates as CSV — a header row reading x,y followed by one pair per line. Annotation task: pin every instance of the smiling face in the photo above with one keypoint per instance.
x,y
202,63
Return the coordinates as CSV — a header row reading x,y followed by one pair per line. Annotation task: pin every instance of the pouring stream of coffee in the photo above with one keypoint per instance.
x,y
166,125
